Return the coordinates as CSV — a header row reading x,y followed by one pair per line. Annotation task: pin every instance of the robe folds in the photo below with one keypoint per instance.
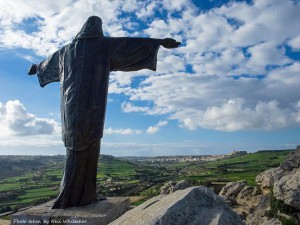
x,y
82,68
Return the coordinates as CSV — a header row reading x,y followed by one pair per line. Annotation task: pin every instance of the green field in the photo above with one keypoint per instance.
x,y
118,177
39,184
238,168
39,192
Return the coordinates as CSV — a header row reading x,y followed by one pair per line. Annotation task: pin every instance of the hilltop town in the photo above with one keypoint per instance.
x,y
186,158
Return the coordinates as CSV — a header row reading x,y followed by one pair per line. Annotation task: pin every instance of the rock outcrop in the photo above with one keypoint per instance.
x,y
284,181
232,189
173,186
280,198
292,161
247,192
194,205
260,213
237,193
267,179
287,189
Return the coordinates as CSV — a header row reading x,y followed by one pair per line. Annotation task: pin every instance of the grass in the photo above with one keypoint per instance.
x,y
58,172
38,192
137,203
116,168
242,167
131,182
10,186
261,159
17,178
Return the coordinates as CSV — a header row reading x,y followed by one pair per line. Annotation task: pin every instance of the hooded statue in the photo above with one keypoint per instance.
x,y
82,68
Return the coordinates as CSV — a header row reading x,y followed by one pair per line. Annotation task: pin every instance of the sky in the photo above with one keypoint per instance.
x,y
233,84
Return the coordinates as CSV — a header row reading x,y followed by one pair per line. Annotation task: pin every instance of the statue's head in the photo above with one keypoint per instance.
x,y
91,29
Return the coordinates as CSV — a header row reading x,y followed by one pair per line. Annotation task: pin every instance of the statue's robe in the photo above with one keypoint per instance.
x,y
82,68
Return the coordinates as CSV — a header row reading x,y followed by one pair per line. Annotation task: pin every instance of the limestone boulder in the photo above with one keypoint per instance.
x,y
166,189
260,214
173,186
193,205
180,186
273,221
231,201
232,189
292,161
267,178
248,192
284,180
287,189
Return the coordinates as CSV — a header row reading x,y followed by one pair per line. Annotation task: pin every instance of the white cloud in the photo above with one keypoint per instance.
x,y
221,63
234,115
55,22
33,141
127,131
202,101
155,128
262,21
170,64
176,5
16,121
295,43
130,5
267,54
147,10
128,107
237,39
289,75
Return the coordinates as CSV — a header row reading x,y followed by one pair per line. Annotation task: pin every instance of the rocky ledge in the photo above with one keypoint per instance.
x,y
276,198
193,205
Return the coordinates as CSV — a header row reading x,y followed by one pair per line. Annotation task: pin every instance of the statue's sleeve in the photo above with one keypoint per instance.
x,y
48,70
131,54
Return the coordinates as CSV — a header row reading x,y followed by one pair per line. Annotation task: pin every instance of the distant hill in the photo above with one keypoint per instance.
x,y
31,180
16,165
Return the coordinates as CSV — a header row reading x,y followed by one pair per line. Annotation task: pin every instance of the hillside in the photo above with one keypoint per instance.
x,y
35,179
245,167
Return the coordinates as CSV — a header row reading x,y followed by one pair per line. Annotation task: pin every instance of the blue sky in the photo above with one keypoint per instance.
x,y
232,85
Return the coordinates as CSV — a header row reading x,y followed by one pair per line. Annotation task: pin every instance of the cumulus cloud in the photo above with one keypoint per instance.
x,y
155,128
234,115
55,23
295,43
35,141
148,10
16,121
232,72
128,107
127,131
215,103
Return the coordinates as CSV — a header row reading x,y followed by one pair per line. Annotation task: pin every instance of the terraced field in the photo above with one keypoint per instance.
x,y
37,183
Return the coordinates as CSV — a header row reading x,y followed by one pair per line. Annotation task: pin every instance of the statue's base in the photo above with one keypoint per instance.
x,y
99,213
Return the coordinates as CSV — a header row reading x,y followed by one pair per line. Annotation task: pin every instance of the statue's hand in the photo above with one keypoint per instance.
x,y
32,70
170,43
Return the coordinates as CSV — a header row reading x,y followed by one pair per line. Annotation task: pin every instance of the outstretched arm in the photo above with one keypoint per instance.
x,y
131,54
47,71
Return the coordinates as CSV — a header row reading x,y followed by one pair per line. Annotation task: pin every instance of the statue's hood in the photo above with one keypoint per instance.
x,y
91,29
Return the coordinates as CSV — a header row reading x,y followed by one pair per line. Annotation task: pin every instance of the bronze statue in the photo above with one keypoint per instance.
x,y
82,68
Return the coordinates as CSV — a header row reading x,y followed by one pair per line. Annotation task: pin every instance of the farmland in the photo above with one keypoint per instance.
x,y
30,180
